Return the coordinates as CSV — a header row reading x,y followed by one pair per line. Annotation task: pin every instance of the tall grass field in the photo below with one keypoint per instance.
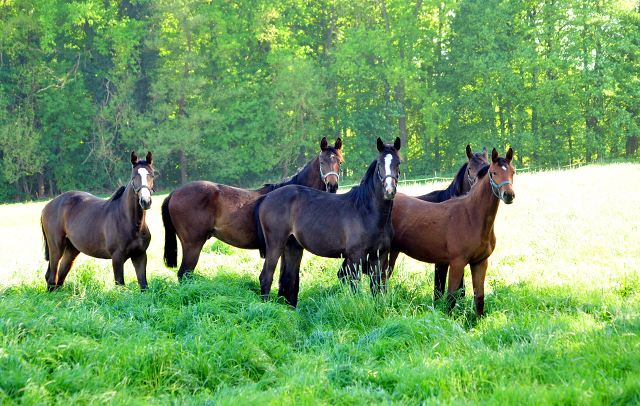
x,y
562,324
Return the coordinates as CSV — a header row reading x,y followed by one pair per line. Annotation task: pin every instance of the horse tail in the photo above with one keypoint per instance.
x,y
44,237
170,241
262,245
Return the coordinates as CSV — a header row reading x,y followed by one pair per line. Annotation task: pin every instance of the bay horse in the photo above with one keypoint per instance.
x,y
115,229
458,231
355,226
462,182
200,210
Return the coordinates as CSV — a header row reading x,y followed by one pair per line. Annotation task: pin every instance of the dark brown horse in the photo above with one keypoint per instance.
x,y
115,229
460,186
200,210
458,231
355,226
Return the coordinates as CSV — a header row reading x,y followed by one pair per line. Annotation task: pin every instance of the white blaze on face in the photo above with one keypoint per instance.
x,y
144,192
504,168
388,182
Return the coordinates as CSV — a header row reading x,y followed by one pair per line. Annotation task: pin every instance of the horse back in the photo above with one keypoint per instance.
x,y
439,232
323,223
203,209
79,217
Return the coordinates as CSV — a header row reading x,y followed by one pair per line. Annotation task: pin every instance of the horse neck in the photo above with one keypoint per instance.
x,y
310,176
132,209
382,206
483,204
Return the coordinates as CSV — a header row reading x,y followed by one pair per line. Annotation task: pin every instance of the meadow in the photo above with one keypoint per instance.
x,y
562,324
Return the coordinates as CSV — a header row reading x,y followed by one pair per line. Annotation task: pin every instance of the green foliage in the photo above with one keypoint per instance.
x,y
241,93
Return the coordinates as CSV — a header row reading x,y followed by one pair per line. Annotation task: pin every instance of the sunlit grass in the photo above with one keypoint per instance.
x,y
562,324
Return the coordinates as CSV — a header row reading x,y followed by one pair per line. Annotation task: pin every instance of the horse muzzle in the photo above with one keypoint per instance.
x,y
145,202
389,192
332,187
508,196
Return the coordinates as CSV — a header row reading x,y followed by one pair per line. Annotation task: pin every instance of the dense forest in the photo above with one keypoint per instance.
x,y
241,91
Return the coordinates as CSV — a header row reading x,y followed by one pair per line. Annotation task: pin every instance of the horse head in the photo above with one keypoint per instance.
x,y
388,167
501,176
476,161
330,160
142,175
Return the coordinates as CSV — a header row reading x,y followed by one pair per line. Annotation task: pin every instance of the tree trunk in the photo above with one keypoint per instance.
x,y
402,120
183,167
40,192
632,145
52,190
181,104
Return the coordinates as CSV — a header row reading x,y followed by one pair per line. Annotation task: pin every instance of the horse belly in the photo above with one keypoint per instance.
x,y
318,241
84,230
90,246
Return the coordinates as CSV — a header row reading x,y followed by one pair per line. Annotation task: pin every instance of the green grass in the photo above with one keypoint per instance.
x,y
562,324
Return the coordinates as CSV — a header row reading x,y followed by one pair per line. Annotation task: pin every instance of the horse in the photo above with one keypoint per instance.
x,y
355,226
462,182
200,210
458,231
115,229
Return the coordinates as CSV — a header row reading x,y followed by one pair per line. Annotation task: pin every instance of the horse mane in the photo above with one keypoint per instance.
x,y
301,175
483,171
292,181
121,189
359,195
454,189
117,194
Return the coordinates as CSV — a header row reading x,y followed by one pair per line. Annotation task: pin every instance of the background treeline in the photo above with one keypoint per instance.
x,y
240,92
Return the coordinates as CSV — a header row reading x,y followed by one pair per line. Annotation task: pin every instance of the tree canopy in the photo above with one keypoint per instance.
x,y
240,92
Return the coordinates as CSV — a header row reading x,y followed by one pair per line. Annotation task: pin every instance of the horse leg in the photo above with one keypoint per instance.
x,y
352,267
456,270
377,273
439,280
140,265
269,267
70,255
56,251
190,256
478,274
117,261
393,257
55,255
290,271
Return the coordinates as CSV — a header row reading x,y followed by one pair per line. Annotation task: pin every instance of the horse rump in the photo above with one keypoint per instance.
x,y
170,240
44,237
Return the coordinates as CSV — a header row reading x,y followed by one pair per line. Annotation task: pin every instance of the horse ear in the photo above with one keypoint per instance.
x,y
338,144
380,145
509,155
397,144
484,152
324,144
134,158
494,156
149,157
469,152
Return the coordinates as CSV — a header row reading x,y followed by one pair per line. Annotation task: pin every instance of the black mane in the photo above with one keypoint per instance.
x,y
117,194
454,189
359,195
483,171
292,181
301,176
